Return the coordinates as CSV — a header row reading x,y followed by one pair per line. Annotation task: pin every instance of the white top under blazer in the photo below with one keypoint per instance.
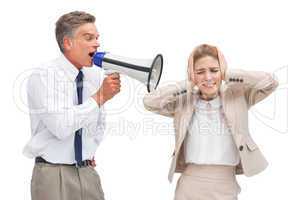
x,y
209,141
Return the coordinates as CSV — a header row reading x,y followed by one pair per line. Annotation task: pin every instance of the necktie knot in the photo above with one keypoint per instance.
x,y
79,77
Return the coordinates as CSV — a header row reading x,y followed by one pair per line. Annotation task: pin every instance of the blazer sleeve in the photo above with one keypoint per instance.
x,y
165,100
256,85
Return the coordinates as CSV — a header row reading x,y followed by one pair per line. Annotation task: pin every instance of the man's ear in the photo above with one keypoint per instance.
x,y
68,44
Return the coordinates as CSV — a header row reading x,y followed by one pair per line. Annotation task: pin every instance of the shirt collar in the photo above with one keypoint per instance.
x,y
70,70
215,103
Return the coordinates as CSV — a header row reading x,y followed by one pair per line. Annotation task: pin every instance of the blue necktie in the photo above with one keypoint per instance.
x,y
78,133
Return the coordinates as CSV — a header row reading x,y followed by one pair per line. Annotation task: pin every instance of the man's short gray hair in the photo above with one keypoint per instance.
x,y
68,23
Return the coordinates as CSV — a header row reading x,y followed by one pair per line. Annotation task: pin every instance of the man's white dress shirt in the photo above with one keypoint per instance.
x,y
55,115
209,140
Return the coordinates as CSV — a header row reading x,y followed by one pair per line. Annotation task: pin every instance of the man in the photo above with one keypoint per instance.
x,y
66,98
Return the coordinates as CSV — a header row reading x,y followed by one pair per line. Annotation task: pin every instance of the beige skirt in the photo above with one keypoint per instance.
x,y
207,182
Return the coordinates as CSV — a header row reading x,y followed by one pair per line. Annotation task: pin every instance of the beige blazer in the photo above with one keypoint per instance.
x,y
240,90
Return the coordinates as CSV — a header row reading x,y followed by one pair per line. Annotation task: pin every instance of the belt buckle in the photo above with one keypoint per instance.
x,y
85,163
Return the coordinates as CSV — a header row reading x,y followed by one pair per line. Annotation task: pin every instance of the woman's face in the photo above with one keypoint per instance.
x,y
207,76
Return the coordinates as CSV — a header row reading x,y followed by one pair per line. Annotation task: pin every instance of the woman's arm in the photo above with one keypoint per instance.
x,y
256,85
165,100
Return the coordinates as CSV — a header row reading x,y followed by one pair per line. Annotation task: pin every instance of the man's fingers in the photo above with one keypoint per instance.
x,y
116,86
113,82
116,90
114,76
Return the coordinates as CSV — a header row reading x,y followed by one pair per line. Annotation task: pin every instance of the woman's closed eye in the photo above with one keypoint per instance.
x,y
215,70
212,70
200,72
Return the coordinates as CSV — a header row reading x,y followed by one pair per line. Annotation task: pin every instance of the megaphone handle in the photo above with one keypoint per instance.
x,y
110,71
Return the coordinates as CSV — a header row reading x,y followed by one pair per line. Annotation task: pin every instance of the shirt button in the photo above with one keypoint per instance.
x,y
241,148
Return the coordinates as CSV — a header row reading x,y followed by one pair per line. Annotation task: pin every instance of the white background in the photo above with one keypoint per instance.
x,y
134,158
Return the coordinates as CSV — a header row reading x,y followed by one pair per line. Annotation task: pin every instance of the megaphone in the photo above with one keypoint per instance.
x,y
147,71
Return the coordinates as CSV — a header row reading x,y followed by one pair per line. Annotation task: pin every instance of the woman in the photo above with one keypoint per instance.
x,y
212,140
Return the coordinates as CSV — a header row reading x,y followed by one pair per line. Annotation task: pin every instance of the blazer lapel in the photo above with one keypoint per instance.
x,y
229,115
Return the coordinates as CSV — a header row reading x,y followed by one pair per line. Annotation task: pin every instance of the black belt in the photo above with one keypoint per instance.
x,y
84,163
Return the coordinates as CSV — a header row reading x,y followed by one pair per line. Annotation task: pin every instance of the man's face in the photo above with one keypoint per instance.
x,y
80,48
207,76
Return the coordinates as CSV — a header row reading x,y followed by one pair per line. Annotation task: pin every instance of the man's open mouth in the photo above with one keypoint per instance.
x,y
91,54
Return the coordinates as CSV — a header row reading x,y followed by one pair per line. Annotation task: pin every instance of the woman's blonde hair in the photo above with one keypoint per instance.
x,y
205,50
